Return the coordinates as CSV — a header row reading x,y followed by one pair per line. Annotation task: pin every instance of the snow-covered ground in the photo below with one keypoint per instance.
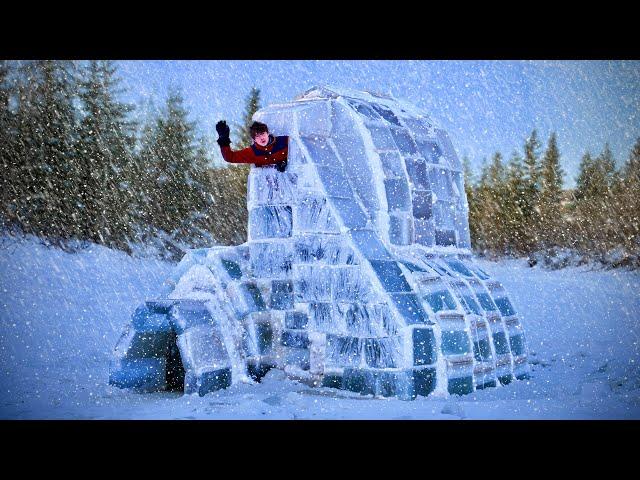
x,y
61,315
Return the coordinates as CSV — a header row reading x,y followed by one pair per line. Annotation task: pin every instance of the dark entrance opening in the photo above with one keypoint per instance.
x,y
175,368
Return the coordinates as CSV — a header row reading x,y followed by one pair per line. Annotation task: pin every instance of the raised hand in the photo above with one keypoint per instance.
x,y
223,133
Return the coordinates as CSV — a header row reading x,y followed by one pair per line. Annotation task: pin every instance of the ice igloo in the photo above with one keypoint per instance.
x,y
357,273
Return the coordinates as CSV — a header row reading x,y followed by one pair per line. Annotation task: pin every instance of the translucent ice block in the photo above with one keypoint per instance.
x,y
400,229
349,283
322,318
314,119
330,249
370,244
335,181
313,214
382,138
391,164
397,190
403,140
270,222
417,171
312,283
202,349
421,202
268,186
271,259
321,152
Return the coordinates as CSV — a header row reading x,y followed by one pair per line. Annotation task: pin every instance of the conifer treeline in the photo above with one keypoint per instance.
x,y
519,207
73,164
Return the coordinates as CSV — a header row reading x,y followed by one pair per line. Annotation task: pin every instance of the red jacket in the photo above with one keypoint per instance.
x,y
273,152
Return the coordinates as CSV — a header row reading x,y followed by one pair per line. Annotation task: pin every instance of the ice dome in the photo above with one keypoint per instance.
x,y
357,273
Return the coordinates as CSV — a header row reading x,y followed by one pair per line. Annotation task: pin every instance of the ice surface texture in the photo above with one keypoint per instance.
x,y
357,269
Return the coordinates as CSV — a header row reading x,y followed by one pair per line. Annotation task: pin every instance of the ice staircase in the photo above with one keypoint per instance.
x,y
357,273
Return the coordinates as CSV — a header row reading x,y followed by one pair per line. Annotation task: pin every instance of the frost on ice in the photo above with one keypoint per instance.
x,y
357,273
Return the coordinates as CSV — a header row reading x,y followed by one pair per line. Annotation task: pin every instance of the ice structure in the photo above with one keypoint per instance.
x,y
357,273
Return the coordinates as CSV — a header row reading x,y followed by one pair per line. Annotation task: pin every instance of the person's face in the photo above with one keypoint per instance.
x,y
262,138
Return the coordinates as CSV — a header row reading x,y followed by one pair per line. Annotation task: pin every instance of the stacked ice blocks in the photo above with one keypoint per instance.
x,y
357,273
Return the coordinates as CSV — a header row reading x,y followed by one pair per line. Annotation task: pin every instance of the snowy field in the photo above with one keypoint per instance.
x,y
61,315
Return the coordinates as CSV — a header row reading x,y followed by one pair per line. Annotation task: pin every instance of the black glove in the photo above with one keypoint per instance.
x,y
223,133
281,166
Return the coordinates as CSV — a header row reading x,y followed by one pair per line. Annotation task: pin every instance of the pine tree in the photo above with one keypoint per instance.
x,y
531,161
469,189
488,211
6,145
631,168
550,204
585,176
628,202
106,142
531,180
139,178
596,175
596,224
198,226
175,169
229,196
469,177
43,193
252,106
517,208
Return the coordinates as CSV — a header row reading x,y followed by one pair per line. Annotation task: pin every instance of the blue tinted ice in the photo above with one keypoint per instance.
x,y
390,276
404,142
382,138
443,213
517,345
357,164
505,307
270,259
268,186
445,238
330,249
421,204
369,243
313,283
350,284
409,307
440,182
387,114
400,229
321,152
343,351
314,120
364,110
424,232
459,267
397,191
455,342
440,300
270,222
391,164
361,319
485,301
313,214
382,352
335,182
351,213
417,171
